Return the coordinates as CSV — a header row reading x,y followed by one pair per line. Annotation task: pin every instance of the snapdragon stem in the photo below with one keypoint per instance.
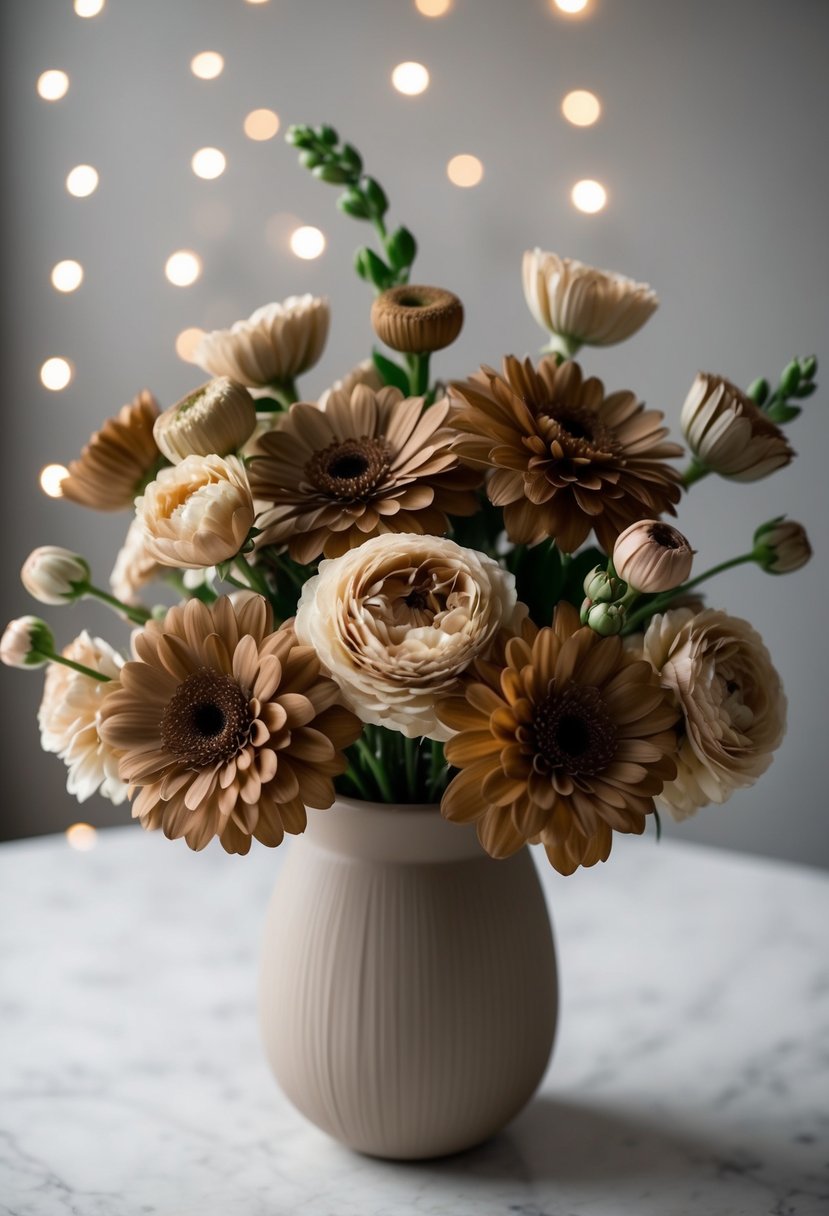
x,y
139,616
665,600
84,670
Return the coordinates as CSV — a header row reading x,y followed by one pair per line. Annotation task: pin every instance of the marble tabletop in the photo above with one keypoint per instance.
x,y
691,1072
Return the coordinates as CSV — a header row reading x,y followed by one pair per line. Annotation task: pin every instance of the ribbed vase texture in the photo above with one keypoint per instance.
x,y
409,996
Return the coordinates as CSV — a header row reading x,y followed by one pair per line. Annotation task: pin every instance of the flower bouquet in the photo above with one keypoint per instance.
x,y
391,597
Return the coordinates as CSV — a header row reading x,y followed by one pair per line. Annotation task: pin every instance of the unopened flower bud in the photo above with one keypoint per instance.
x,y
758,391
606,619
808,367
790,378
27,642
55,576
653,556
584,611
603,587
729,434
214,420
781,546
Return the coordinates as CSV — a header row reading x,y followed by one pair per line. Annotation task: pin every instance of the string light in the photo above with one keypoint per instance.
x,y
52,85
82,837
187,341
82,181
261,124
51,478
410,78
207,65
433,8
307,242
581,107
183,267
67,275
56,373
571,7
208,163
89,8
588,196
464,170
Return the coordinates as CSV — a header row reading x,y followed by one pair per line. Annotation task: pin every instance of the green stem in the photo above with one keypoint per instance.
x,y
663,601
418,374
410,760
563,346
139,616
85,671
376,769
286,393
437,766
256,580
356,780
694,472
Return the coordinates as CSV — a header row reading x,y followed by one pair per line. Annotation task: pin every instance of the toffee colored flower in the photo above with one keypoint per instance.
x,y
68,718
368,464
224,727
27,642
54,575
215,419
417,319
398,621
721,677
197,513
580,304
364,373
729,434
275,344
782,546
134,566
566,458
652,556
118,460
566,741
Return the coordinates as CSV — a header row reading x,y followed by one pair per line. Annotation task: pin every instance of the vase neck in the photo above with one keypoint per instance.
x,y
376,831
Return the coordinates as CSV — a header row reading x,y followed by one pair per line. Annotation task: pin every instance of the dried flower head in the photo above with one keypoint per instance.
x,y
653,556
397,621
118,460
579,304
721,677
275,344
567,458
729,434
54,575
369,463
224,727
197,513
417,319
566,740
215,419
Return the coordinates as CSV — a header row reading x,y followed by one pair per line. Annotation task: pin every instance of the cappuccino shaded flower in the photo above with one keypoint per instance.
x,y
579,304
275,344
364,373
215,419
369,463
566,458
652,556
417,319
197,513
728,433
781,546
116,463
26,642
399,620
134,566
721,677
54,575
567,741
224,727
68,718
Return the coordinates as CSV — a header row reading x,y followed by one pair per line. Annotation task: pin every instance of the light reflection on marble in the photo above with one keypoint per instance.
x,y
691,1073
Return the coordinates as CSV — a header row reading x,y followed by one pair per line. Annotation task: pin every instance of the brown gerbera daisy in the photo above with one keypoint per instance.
x,y
565,741
369,463
118,460
567,458
224,727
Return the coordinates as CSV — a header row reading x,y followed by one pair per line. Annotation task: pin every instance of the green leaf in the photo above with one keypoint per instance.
x,y
327,134
376,195
780,412
335,175
375,269
539,577
401,248
393,374
351,157
352,203
309,159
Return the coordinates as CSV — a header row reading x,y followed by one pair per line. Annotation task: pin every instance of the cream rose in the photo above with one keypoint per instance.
x,y
398,620
197,513
731,698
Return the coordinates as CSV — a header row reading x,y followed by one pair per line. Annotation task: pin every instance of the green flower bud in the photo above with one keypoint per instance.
x,y
606,619
808,367
300,136
327,134
584,611
335,175
790,379
401,248
351,157
758,391
352,203
603,587
376,195
310,159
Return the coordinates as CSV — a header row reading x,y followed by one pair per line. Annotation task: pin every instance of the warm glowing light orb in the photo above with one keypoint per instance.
x,y
89,8
261,124
183,267
207,65
588,196
56,373
208,163
52,85
82,837
187,341
67,275
464,170
82,181
50,479
581,107
570,6
410,78
307,242
433,8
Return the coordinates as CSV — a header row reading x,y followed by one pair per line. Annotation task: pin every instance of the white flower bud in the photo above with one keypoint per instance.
x,y
652,556
215,419
781,546
55,576
26,642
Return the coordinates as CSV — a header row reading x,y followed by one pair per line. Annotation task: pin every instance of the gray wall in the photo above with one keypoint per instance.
x,y
712,146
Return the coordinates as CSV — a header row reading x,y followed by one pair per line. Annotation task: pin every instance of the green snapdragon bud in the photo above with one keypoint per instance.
x,y
606,619
602,587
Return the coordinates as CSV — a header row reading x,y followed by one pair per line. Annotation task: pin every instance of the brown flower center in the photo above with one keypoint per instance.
x,y
207,720
350,469
578,430
666,536
574,731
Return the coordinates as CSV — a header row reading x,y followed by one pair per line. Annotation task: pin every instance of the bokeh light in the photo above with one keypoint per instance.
x,y
187,341
56,373
67,275
588,196
307,242
82,837
183,267
89,8
433,8
261,124
208,163
581,107
52,84
571,7
464,170
410,78
207,65
50,479
82,181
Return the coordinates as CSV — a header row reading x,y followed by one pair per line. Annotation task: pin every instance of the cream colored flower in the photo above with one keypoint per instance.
x,y
68,719
364,373
579,304
26,642
652,556
197,513
54,575
397,621
134,567
782,546
215,419
722,678
275,344
729,434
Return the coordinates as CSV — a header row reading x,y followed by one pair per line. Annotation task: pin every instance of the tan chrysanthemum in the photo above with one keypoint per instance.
x,y
579,304
364,373
224,727
275,344
719,673
567,459
118,460
729,434
567,741
368,463
68,719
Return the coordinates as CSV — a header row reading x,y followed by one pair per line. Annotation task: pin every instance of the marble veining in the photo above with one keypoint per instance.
x,y
691,1073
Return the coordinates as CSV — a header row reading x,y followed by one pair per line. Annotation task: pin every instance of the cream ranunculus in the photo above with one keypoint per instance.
x,y
68,719
579,304
398,620
54,575
196,513
728,433
732,701
215,419
275,344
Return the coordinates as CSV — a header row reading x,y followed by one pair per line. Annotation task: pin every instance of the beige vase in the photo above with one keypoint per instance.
x,y
408,997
